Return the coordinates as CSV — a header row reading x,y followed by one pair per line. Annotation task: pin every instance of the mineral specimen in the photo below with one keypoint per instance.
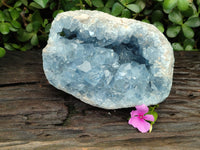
x,y
106,61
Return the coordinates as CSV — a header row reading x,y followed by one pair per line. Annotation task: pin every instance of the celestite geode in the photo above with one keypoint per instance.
x,y
108,62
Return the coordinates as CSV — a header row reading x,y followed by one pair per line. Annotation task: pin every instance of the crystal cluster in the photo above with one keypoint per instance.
x,y
106,61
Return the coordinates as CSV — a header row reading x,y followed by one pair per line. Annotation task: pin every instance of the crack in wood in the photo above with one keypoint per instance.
x,y
17,84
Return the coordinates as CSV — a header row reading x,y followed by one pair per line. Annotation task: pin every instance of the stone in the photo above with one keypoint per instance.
x,y
108,62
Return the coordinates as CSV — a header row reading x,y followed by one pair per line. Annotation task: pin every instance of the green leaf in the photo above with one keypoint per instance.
x,y
157,15
187,31
133,7
189,48
155,115
168,5
152,108
189,12
4,28
57,12
183,5
175,17
23,48
98,3
29,27
146,20
52,5
109,3
36,26
141,4
160,26
15,45
177,46
36,17
19,9
42,3
189,42
193,22
34,40
67,5
45,22
199,9
25,2
35,5
117,9
7,15
89,2
14,14
130,1
106,10
173,31
17,4
2,16
47,28
147,12
9,47
13,29
15,24
27,46
2,52
125,2
198,2
99,9
24,36
126,13
194,8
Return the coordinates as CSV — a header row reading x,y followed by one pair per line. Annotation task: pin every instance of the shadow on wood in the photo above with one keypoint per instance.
x,y
35,115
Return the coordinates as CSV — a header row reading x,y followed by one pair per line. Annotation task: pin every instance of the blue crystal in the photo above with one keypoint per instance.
x,y
108,62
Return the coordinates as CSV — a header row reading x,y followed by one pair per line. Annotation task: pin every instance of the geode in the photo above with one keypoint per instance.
x,y
108,62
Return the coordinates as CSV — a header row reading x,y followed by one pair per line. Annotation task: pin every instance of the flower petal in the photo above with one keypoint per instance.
x,y
149,117
144,127
134,113
131,121
142,109
135,122
140,124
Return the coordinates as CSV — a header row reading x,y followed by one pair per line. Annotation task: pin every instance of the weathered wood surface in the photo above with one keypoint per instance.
x,y
35,115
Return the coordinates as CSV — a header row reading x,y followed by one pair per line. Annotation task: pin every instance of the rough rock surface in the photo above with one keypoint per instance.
x,y
108,62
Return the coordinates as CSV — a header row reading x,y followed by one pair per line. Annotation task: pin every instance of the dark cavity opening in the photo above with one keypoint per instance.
x,y
127,53
68,34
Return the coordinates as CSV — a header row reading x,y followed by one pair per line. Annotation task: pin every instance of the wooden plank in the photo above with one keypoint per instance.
x,y
35,115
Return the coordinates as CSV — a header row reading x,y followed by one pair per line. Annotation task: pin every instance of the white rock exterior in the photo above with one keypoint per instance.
x,y
108,62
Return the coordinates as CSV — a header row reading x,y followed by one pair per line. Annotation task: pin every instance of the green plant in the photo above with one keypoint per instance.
x,y
184,17
24,24
21,25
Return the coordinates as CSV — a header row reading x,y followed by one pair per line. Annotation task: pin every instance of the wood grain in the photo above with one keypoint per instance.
x,y
35,115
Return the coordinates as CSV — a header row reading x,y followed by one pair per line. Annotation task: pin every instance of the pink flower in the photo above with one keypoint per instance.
x,y
138,118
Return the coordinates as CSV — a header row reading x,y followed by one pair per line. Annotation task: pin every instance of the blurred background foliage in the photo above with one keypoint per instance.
x,y
26,23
